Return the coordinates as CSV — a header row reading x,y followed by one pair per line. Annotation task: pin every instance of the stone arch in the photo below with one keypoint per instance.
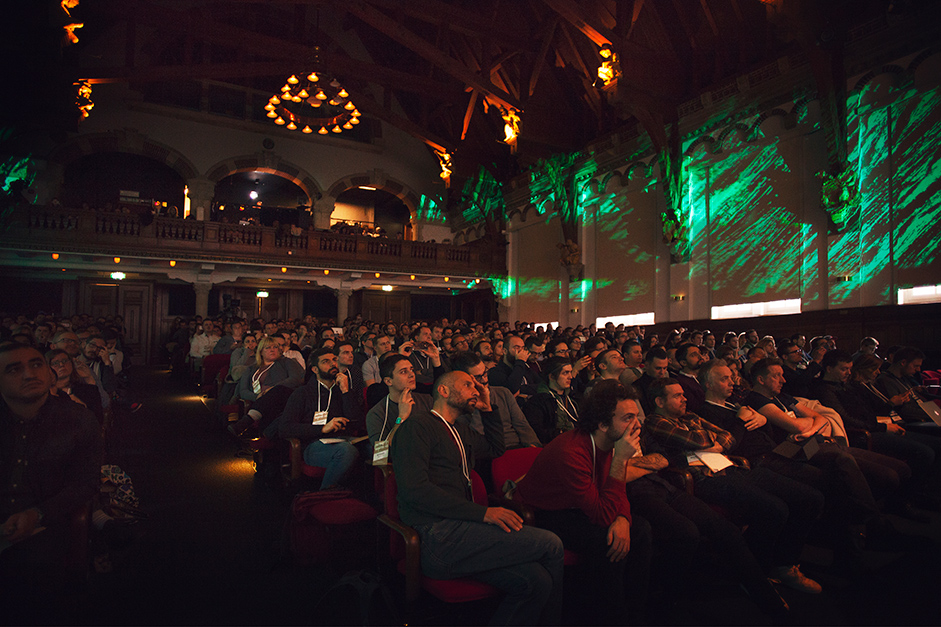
x,y
127,141
707,142
379,180
898,73
268,163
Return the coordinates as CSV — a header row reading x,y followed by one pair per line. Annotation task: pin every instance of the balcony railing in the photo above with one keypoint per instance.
x,y
92,232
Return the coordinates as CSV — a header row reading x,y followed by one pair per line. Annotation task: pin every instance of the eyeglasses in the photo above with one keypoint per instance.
x,y
481,378
793,351
59,363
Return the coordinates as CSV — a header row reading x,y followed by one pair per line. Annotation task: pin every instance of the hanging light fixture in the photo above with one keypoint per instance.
x,y
316,101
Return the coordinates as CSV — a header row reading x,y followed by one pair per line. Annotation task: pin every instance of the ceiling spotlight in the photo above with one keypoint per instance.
x,y
117,260
253,195
172,264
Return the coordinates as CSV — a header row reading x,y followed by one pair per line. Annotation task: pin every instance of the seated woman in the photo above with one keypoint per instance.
x,y
266,386
75,381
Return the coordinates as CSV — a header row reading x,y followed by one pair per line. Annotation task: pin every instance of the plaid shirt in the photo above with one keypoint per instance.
x,y
687,433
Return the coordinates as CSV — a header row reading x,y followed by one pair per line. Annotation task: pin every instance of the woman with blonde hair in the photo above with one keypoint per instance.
x,y
266,386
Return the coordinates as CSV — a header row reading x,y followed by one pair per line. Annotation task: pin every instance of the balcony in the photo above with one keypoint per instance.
x,y
44,229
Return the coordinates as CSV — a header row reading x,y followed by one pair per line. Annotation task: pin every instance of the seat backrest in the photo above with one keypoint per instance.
x,y
512,465
212,364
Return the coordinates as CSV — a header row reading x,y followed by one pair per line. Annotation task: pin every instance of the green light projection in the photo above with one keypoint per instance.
x,y
484,199
429,210
754,238
917,180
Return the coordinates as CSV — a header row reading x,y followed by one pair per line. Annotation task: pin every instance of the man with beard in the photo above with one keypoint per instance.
x,y
577,485
49,467
324,408
483,348
426,358
690,359
432,456
397,405
512,372
516,430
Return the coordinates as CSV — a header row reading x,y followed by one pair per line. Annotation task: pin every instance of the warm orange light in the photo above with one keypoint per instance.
x,y
337,129
349,106
343,93
272,114
326,272
307,129
377,275
293,80
284,269
117,260
291,126
413,277
446,279
303,94
312,77
55,255
172,264
279,121
323,130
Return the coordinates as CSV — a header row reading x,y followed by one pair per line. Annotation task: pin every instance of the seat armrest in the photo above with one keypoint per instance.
x,y
412,555
860,438
296,456
740,461
681,478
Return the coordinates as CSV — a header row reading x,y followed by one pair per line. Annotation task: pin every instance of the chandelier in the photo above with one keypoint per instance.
x,y
317,102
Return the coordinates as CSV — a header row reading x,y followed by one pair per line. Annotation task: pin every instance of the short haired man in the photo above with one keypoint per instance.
x,y
778,510
371,374
634,362
50,468
433,456
228,343
790,417
796,381
513,371
610,364
577,485
398,374
656,366
690,359
551,411
425,357
324,407
346,361
517,432
899,384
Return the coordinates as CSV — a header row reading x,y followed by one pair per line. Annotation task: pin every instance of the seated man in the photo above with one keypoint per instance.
x,y
633,360
778,511
228,343
203,342
690,360
899,385
577,487
513,372
323,408
551,411
789,417
50,448
656,366
517,432
399,376
915,449
426,358
432,456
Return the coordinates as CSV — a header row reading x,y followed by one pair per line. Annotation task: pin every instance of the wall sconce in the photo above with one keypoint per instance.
x,y
678,297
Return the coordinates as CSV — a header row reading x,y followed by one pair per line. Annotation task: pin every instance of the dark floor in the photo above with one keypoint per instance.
x,y
211,550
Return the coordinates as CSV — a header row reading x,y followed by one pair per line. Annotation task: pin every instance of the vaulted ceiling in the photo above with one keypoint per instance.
x,y
441,70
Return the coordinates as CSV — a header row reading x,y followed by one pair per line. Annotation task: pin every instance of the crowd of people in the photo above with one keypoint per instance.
x,y
789,438
783,440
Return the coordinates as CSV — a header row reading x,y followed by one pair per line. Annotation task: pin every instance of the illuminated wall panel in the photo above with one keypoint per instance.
x,y
916,187
537,280
754,234
627,225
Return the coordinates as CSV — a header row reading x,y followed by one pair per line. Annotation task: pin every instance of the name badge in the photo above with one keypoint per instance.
x,y
256,387
791,415
320,418
380,453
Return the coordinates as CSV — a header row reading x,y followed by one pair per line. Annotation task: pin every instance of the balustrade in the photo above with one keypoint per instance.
x,y
29,227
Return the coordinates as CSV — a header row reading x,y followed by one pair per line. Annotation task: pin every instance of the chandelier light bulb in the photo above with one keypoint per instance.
x,y
320,95
272,114
291,126
307,129
323,130
274,100
347,126
354,121
343,93
313,102
303,94
279,121
337,129
312,77
349,106
286,88
293,80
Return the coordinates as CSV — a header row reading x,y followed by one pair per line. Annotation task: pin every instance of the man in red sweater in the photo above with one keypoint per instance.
x,y
577,486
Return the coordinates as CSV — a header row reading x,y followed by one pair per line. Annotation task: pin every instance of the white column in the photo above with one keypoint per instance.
x,y
343,305
201,193
322,209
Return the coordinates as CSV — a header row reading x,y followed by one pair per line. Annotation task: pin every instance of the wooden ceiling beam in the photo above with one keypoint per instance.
x,y
540,61
368,106
404,36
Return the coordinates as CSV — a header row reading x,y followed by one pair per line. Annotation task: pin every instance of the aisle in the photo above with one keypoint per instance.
x,y
209,552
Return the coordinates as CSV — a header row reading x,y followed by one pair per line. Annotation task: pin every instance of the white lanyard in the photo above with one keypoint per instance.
x,y
593,460
564,407
460,446
329,396
256,377
385,420
725,405
876,391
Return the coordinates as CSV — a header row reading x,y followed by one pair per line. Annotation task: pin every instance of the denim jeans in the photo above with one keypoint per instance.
x,y
337,458
525,564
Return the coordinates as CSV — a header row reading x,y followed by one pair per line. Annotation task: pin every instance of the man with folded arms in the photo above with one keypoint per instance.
x,y
778,511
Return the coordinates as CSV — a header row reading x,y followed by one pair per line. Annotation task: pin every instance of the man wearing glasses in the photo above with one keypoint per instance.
x,y
516,430
796,381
